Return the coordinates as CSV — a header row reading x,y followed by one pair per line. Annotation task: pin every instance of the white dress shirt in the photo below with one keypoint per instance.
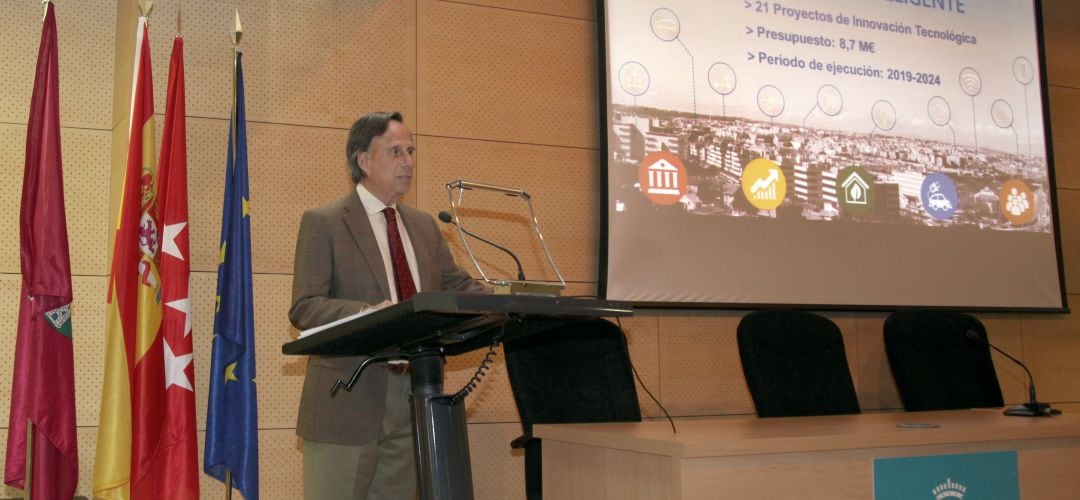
x,y
374,209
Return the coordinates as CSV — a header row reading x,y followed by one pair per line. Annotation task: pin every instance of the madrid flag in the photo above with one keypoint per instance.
x,y
172,470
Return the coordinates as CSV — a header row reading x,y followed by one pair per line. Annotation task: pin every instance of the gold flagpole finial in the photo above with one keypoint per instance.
x,y
237,32
145,6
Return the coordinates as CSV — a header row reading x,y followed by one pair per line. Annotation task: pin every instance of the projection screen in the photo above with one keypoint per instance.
x,y
863,154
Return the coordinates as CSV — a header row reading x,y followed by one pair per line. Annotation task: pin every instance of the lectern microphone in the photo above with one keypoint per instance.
x,y
1033,408
447,218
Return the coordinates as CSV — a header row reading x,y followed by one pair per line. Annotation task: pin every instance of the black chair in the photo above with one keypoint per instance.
x,y
795,364
935,365
578,372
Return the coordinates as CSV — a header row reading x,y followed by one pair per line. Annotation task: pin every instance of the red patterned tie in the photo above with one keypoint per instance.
x,y
402,276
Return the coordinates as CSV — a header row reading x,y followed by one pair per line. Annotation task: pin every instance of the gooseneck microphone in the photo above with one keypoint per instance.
x,y
1033,408
447,218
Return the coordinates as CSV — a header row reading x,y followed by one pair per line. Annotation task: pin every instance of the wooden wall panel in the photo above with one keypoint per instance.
x,y
1006,332
85,38
566,196
281,466
504,75
203,290
643,339
10,288
280,377
1052,353
319,62
208,141
88,315
579,9
498,472
848,330
86,195
1069,211
1065,126
290,169
700,372
1060,19
874,383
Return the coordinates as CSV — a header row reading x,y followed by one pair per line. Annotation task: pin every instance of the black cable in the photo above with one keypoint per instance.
x,y
643,386
481,371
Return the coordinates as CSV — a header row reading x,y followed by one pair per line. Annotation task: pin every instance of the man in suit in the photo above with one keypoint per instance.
x,y
365,251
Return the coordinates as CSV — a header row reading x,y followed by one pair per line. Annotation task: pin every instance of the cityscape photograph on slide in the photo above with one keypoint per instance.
x,y
848,154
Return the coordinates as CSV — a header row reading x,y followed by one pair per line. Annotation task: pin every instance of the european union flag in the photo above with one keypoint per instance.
x,y
232,423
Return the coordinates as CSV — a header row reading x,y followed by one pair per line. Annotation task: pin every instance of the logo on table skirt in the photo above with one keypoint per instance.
x,y
949,489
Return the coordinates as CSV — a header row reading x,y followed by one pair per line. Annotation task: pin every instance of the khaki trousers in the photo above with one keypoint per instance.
x,y
383,469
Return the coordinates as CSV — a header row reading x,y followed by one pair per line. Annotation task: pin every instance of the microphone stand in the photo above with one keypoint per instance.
x,y
447,218
502,286
1033,408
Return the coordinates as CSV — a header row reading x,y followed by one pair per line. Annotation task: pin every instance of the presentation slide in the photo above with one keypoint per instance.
x,y
848,153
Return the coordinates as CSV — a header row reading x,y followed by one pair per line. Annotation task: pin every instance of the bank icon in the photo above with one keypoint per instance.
x,y
662,178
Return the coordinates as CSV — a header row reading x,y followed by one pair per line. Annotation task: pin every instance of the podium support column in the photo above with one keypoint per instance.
x,y
440,433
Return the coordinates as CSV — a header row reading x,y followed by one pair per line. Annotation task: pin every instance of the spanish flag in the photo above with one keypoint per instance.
x,y
134,356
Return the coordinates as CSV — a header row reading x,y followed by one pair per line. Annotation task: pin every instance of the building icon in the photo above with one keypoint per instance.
x,y
855,190
663,178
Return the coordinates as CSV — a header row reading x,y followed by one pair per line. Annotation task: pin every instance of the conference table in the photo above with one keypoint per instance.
x,y
797,457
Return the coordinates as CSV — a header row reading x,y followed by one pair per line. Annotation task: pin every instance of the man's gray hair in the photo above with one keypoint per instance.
x,y
363,131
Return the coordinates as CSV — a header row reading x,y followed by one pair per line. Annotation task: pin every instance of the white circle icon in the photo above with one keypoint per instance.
x,y
634,78
770,101
970,81
939,111
722,78
884,115
665,24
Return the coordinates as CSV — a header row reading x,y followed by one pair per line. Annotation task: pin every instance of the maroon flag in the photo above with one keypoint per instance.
x,y
43,386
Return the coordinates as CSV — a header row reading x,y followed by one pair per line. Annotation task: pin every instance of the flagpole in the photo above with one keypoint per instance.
x,y
29,474
236,34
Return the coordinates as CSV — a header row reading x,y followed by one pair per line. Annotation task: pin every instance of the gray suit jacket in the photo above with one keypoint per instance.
x,y
337,270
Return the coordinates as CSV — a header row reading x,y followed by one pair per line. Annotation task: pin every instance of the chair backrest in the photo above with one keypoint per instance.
x,y
935,365
795,364
574,373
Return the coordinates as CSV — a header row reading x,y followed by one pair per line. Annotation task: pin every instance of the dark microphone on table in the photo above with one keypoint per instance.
x,y
1033,408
